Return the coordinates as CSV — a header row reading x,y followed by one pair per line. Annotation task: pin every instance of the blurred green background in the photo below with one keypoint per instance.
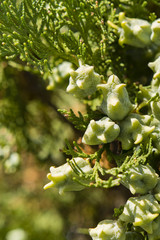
x,y
31,136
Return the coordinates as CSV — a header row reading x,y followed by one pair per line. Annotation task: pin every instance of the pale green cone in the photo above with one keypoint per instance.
x,y
155,135
116,103
102,131
141,211
135,32
62,177
155,66
140,179
155,107
155,36
156,191
83,81
155,235
108,230
133,130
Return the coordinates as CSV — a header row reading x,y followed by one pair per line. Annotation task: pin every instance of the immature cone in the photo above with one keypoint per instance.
x,y
83,81
155,87
62,177
135,32
156,191
102,131
140,179
141,211
59,75
155,135
108,230
155,66
134,130
155,107
116,103
155,36
155,235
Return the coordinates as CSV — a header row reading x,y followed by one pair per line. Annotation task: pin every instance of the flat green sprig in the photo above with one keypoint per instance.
x,y
39,32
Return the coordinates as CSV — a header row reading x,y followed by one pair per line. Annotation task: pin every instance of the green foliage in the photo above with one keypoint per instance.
x,y
80,122
124,162
118,211
40,32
